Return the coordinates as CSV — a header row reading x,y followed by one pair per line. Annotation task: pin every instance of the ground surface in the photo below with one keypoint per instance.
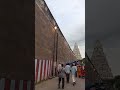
x,y
53,83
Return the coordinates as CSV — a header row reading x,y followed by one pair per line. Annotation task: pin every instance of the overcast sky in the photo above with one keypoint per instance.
x,y
103,23
70,16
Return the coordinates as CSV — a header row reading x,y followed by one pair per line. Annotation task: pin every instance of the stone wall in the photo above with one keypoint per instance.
x,y
44,35
65,54
50,43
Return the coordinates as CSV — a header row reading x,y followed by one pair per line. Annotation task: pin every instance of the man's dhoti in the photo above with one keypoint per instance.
x,y
73,78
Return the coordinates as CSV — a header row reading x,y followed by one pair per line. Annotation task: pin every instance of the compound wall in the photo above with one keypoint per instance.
x,y
50,45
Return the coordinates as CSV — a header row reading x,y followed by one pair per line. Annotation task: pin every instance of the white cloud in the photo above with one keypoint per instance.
x,y
70,16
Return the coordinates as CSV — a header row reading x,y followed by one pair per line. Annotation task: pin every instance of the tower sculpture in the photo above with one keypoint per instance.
x,y
77,52
100,62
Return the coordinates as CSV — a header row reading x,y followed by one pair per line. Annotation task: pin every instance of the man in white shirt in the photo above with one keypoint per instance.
x,y
59,67
74,70
67,71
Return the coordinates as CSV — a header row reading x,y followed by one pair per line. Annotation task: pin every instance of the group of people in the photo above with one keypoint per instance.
x,y
81,71
68,70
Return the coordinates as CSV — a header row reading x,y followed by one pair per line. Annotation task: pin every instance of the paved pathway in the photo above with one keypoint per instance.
x,y
53,83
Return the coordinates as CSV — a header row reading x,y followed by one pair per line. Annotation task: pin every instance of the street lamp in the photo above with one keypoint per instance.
x,y
55,52
55,27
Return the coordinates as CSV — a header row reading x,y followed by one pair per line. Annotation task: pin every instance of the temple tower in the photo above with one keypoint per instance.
x,y
100,62
77,52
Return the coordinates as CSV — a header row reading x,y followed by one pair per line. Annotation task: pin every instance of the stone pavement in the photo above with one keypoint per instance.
x,y
53,83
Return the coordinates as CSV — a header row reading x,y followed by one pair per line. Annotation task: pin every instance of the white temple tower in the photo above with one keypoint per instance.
x,y
77,52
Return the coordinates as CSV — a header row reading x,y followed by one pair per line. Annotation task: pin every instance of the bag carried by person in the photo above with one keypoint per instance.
x,y
61,73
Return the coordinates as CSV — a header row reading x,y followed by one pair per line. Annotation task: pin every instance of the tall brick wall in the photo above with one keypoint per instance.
x,y
50,45
47,45
64,52
44,36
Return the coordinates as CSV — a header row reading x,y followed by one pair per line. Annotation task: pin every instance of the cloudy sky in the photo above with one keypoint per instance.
x,y
103,23
70,16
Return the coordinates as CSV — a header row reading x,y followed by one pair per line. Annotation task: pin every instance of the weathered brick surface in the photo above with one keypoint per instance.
x,y
47,45
64,52
43,34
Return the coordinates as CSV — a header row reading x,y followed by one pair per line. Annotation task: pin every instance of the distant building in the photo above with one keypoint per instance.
x,y
100,62
77,52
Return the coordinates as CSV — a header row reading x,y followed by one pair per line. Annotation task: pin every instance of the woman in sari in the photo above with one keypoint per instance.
x,y
79,71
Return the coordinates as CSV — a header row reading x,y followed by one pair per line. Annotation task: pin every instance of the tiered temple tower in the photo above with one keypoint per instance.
x,y
99,60
77,52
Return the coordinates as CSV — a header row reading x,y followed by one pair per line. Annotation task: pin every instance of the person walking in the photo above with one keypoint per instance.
x,y
83,72
79,71
73,71
61,76
67,71
59,67
76,71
